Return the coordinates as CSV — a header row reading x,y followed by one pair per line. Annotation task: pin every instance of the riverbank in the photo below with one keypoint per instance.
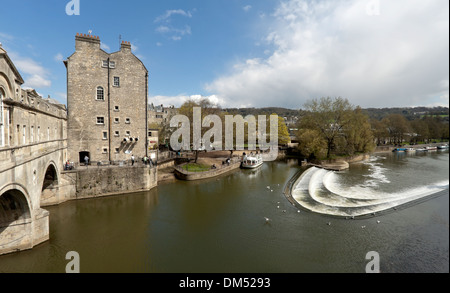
x,y
339,164
219,169
390,148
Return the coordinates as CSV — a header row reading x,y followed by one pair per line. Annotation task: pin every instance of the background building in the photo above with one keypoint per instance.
x,y
160,114
107,98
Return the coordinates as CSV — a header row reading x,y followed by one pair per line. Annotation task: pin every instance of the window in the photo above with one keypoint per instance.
x,y
18,134
100,120
116,81
149,134
112,64
117,150
127,120
116,108
38,134
24,137
32,134
116,133
117,120
48,133
128,133
105,135
100,94
105,150
105,63
159,116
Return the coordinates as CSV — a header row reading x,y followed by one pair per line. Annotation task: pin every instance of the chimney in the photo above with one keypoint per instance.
x,y
83,41
125,46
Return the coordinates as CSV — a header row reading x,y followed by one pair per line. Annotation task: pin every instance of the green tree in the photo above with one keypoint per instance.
x,y
379,130
358,133
328,117
207,108
398,127
283,132
420,129
311,143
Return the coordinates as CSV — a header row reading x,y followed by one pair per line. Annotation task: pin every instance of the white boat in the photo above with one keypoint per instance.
x,y
252,162
410,150
421,150
443,147
431,148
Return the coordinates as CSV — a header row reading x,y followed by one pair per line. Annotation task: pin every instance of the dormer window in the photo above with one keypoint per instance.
x,y
105,63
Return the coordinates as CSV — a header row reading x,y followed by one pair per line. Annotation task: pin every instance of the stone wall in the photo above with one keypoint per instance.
x,y
97,182
191,176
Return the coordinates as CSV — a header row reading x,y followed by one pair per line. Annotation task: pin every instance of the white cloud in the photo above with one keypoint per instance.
x,y
37,81
247,8
177,101
104,47
5,36
176,33
134,47
59,57
35,75
158,44
169,13
334,48
62,97
162,29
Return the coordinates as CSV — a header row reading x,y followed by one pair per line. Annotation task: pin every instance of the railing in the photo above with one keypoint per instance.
x,y
117,164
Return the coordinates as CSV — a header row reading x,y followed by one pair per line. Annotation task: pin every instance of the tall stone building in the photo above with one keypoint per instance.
x,y
107,98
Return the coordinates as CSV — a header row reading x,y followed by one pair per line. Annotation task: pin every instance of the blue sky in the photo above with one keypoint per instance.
x,y
248,53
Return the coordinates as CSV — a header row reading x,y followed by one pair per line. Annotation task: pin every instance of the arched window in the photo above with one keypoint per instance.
x,y
100,94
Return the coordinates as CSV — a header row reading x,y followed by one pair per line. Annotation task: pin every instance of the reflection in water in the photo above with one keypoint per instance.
x,y
218,225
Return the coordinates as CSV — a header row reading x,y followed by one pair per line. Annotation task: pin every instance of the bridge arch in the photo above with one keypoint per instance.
x,y
51,176
50,183
14,204
15,218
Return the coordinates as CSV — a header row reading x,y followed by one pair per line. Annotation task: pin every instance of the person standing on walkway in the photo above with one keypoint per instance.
x,y
86,161
132,160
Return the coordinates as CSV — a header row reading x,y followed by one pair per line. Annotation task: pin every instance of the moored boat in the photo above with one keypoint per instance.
x,y
399,150
410,150
421,150
252,162
442,147
432,148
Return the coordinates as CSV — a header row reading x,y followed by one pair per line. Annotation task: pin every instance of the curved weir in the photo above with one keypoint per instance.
x,y
322,192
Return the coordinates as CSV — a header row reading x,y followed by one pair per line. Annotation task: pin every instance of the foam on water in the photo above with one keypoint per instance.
x,y
322,192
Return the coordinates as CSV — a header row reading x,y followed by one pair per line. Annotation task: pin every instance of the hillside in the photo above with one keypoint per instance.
x,y
373,113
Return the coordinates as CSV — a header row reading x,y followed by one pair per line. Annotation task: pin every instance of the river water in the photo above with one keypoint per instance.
x,y
219,226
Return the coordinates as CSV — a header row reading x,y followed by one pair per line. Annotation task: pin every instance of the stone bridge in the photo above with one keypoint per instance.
x,y
30,178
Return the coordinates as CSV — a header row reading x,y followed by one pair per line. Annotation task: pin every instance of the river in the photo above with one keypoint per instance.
x,y
219,225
